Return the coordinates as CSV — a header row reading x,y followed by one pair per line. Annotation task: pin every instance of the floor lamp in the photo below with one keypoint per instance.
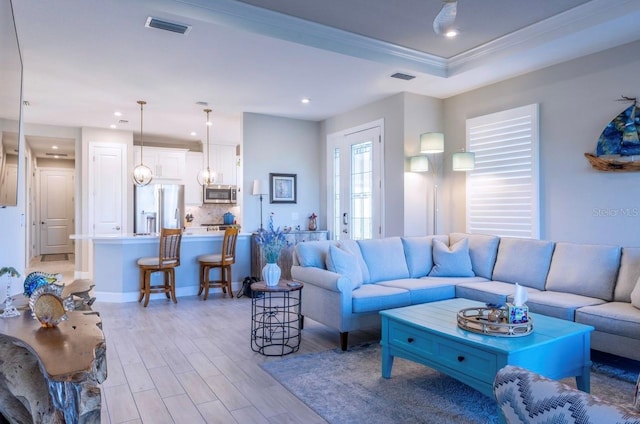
x,y
259,189
432,143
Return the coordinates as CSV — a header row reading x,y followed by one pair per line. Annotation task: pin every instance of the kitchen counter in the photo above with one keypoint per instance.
x,y
116,273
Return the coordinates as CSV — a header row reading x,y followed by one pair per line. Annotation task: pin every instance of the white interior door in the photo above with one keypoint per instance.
x,y
56,210
355,186
107,188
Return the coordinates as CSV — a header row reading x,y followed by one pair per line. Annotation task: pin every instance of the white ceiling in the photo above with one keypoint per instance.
x,y
85,59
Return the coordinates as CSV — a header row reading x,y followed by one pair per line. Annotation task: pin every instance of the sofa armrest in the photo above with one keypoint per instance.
x,y
322,278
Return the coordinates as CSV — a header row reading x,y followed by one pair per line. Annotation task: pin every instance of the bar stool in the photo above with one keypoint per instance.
x,y
222,260
166,262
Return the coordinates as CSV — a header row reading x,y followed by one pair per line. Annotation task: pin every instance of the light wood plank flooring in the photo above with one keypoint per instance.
x,y
191,362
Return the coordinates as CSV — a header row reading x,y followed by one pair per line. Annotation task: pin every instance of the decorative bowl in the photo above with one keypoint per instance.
x,y
38,279
47,305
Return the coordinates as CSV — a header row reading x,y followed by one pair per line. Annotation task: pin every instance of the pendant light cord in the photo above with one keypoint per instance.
x,y
141,103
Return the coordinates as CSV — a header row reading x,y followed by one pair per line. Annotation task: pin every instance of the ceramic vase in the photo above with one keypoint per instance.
x,y
271,274
313,225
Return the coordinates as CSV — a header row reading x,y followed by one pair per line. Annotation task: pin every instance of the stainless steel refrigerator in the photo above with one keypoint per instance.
x,y
157,206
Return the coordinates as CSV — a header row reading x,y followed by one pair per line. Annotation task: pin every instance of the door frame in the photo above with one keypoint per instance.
x,y
331,140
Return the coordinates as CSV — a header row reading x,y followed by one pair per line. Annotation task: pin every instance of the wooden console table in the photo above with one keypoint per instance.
x,y
56,372
285,259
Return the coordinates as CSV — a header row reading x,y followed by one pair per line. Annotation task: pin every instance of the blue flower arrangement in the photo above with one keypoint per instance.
x,y
272,240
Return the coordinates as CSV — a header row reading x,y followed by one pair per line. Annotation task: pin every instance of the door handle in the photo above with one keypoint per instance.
x,y
345,231
42,222
117,227
345,219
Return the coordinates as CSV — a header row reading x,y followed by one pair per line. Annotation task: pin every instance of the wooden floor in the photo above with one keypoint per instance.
x,y
191,362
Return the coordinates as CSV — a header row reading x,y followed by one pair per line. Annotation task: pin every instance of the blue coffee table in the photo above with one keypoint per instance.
x,y
429,334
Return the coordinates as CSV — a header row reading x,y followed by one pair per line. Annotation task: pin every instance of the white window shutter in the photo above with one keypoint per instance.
x,y
503,189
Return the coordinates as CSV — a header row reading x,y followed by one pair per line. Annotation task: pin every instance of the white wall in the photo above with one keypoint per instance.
x,y
577,99
421,114
287,146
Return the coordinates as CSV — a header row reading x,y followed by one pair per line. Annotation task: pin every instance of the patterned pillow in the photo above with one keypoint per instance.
x,y
529,398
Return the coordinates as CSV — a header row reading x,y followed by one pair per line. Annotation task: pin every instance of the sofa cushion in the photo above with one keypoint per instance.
x,y
635,295
628,274
495,292
418,253
558,304
584,269
483,250
376,297
423,290
523,261
313,253
385,258
344,263
451,261
619,318
352,247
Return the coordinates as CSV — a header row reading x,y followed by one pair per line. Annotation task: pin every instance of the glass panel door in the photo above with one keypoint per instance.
x,y
355,189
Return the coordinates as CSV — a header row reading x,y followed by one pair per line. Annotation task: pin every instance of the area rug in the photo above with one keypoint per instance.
x,y
54,257
346,387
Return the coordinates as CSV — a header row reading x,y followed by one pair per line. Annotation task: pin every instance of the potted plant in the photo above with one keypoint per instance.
x,y
9,309
271,240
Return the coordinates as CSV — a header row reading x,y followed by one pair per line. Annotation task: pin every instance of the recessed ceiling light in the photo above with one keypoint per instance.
x,y
54,147
116,113
306,100
193,133
112,126
451,33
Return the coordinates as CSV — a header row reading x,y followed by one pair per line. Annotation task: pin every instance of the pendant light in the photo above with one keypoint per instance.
x,y
141,173
206,176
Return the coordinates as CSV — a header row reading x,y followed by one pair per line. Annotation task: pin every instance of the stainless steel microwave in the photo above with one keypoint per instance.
x,y
218,193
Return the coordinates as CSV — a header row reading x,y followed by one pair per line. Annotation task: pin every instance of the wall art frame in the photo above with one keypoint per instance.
x,y
283,188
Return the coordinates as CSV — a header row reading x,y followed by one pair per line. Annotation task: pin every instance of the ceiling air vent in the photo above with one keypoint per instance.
x,y
56,154
402,76
167,26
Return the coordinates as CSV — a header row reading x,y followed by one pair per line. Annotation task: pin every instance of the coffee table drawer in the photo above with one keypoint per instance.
x,y
465,359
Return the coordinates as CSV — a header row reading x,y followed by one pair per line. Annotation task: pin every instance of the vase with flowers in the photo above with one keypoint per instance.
x,y
271,240
313,223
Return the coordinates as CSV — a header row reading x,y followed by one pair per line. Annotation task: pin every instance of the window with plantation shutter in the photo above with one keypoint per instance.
x,y
502,190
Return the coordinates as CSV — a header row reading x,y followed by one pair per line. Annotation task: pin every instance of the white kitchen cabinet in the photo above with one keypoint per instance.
x,y
165,163
224,162
192,189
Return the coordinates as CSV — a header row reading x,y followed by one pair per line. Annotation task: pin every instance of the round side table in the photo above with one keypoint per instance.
x,y
275,318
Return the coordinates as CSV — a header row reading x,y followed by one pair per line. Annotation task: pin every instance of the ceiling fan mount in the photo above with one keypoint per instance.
x,y
444,20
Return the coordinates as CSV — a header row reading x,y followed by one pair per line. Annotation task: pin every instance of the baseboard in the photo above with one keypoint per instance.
x,y
115,297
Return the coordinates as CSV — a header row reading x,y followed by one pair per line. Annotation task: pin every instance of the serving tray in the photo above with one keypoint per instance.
x,y
478,320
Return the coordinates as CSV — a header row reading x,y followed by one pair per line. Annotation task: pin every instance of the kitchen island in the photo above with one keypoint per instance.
x,y
117,277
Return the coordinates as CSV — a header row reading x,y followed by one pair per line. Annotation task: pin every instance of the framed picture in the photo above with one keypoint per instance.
x,y
283,188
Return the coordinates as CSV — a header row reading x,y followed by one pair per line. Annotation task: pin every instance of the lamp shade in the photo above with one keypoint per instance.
x,y
418,164
464,161
431,142
259,187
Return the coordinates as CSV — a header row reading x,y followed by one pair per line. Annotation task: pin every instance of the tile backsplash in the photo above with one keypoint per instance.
x,y
211,214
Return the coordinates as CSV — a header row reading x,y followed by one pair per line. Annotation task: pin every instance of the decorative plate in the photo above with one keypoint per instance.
x,y
38,279
48,307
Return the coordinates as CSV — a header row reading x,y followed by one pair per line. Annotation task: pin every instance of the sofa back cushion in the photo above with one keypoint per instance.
x,y
483,250
385,259
418,253
352,247
628,275
523,261
584,269
313,253
451,261
344,263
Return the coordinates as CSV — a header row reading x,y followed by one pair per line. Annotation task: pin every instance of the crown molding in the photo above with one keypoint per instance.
x,y
539,36
266,22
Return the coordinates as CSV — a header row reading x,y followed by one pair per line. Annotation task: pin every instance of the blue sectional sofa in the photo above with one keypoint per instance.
x,y
347,282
